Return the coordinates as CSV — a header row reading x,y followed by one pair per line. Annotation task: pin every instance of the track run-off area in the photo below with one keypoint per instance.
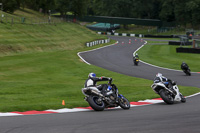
x,y
154,118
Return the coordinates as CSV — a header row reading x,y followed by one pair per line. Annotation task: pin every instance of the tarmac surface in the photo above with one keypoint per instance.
x,y
156,118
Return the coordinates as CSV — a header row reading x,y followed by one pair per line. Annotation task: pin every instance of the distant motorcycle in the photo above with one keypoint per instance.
x,y
168,95
185,69
98,100
136,61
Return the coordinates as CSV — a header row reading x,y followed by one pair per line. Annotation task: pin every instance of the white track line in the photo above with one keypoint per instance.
x,y
92,50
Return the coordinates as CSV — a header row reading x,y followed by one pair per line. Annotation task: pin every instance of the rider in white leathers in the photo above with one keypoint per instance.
x,y
160,78
92,81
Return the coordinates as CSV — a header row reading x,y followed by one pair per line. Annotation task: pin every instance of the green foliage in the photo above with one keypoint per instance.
x,y
9,5
182,11
167,11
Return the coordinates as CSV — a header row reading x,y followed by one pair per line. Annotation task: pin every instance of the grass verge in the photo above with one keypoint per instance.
x,y
40,81
166,56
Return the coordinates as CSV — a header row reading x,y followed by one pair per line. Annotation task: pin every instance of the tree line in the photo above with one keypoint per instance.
x,y
181,11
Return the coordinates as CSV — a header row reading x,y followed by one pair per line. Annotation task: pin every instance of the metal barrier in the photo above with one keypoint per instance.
x,y
93,43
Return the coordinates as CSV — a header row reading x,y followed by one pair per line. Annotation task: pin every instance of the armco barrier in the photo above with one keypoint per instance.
x,y
187,50
93,43
161,36
179,43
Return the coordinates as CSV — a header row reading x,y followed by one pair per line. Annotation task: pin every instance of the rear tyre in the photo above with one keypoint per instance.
x,y
165,95
96,103
136,63
124,103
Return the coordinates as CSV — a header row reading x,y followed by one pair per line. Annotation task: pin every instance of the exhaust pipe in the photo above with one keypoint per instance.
x,y
97,93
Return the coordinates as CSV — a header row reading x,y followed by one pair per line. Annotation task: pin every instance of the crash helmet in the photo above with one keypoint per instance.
x,y
92,75
159,75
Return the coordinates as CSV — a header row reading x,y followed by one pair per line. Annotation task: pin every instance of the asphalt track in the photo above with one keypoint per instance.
x,y
157,118
118,58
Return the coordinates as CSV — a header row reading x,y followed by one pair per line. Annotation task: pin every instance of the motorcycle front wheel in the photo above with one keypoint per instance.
x,y
183,99
188,72
165,95
124,103
96,103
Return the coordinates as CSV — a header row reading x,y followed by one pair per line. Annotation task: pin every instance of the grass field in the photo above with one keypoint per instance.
x,y
21,38
166,56
39,68
39,81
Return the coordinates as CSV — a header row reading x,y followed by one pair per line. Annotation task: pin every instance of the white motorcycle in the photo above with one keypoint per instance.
x,y
169,96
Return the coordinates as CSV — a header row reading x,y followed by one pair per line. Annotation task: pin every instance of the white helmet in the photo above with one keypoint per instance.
x,y
159,75
92,75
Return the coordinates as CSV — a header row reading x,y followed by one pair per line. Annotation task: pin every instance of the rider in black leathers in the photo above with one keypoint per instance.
x,y
184,66
135,56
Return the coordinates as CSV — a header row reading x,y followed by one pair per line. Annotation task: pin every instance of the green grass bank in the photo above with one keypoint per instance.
x,y
166,56
39,68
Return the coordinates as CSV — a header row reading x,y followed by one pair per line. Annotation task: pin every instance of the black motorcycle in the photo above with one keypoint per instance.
x,y
99,100
135,61
187,72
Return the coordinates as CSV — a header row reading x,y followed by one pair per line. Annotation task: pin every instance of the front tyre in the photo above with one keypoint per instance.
x,y
183,99
188,72
124,103
96,103
165,95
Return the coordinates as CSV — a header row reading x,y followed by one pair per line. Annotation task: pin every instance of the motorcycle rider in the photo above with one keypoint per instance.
x,y
135,56
92,81
184,66
167,82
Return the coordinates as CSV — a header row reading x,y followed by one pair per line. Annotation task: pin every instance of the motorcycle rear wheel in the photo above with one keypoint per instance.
x,y
95,104
136,63
124,103
167,98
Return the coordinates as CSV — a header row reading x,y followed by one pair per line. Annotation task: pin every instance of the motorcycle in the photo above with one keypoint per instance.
x,y
169,95
110,98
135,61
187,72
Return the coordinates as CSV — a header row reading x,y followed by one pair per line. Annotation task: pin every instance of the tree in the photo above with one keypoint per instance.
x,y
63,6
79,7
9,5
47,5
193,9
181,15
167,11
